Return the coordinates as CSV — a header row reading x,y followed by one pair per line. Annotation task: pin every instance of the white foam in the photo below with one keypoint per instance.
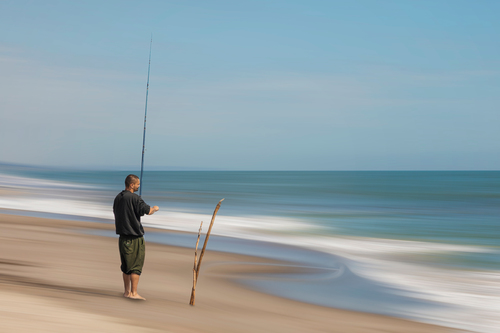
x,y
233,226
59,206
18,182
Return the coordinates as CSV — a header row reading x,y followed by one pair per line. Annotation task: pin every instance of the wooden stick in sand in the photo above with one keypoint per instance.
x,y
193,291
196,268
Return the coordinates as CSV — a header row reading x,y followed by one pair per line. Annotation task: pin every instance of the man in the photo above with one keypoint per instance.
x,y
128,208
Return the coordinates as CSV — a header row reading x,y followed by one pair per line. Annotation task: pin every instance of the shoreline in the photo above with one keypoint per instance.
x,y
60,279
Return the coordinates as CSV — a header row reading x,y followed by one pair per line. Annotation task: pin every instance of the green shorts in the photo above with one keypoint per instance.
x,y
132,253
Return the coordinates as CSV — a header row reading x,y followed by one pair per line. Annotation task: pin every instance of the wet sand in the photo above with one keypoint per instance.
x,y
54,278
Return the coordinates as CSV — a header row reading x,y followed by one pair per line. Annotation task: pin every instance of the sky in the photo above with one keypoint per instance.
x,y
251,85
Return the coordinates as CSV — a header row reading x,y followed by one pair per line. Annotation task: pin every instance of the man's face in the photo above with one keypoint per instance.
x,y
135,186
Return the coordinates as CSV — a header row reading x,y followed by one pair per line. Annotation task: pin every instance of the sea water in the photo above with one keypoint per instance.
x,y
420,245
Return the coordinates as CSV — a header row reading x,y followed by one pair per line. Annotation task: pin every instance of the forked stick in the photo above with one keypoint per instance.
x,y
197,263
193,291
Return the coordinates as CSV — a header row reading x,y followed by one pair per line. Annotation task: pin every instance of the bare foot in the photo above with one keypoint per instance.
x,y
136,296
126,294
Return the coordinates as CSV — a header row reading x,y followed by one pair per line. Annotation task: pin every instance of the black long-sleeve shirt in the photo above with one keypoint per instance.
x,y
128,208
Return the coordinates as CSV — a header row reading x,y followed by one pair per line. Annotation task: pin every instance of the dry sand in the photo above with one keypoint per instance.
x,y
54,278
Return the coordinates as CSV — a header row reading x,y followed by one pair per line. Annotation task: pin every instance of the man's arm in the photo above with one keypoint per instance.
x,y
153,209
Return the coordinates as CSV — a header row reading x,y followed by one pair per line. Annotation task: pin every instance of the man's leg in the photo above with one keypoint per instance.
x,y
135,282
126,284
132,253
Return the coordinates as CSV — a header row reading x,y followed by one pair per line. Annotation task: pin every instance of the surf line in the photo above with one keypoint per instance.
x,y
145,115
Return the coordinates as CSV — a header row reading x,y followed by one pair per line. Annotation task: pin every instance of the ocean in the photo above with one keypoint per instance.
x,y
418,245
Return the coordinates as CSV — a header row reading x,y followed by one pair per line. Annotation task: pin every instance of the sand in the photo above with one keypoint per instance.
x,y
54,278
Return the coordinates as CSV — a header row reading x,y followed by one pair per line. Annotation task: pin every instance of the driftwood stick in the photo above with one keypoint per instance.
x,y
193,291
206,238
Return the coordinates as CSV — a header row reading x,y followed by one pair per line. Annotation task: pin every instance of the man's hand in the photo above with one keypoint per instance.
x,y
153,209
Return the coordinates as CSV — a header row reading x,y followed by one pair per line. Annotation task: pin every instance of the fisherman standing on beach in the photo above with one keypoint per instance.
x,y
128,208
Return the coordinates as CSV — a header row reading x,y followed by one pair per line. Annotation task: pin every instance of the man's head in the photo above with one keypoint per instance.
x,y
132,183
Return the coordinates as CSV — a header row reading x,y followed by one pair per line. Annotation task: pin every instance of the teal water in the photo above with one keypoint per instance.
x,y
456,207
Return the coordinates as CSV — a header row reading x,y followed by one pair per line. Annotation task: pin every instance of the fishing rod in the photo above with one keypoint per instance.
x,y
145,115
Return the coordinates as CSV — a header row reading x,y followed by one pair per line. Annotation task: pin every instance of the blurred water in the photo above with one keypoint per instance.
x,y
432,236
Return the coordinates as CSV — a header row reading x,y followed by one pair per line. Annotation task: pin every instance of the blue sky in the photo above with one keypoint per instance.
x,y
252,85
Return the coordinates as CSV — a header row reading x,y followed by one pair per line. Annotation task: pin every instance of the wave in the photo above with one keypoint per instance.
x,y
18,182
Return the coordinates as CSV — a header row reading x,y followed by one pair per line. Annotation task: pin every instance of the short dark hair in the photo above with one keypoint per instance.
x,y
130,180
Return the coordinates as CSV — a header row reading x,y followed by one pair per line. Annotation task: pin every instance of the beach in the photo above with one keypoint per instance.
x,y
58,278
